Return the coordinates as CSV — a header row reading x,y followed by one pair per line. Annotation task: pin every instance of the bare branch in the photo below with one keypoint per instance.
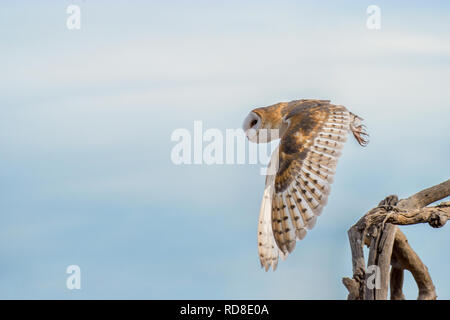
x,y
425,197
389,246
404,257
380,255
397,283
435,216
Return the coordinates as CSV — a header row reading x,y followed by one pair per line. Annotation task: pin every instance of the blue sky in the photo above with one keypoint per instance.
x,y
86,117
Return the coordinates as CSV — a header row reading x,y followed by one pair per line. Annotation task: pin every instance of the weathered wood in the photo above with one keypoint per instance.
x,y
425,197
435,216
407,259
358,263
380,256
389,246
397,275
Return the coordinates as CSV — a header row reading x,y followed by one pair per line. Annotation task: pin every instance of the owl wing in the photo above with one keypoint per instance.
x,y
297,193
267,247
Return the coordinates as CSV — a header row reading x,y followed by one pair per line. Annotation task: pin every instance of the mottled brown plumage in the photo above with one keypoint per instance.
x,y
312,133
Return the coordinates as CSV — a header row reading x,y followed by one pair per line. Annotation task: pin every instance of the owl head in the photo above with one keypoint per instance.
x,y
263,124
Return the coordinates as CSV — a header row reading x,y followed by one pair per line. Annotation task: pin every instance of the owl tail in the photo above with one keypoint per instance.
x,y
359,130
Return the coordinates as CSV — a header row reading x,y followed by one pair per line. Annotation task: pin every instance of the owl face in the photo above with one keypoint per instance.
x,y
251,126
259,128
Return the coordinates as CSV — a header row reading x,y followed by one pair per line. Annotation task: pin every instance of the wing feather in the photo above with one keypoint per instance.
x,y
267,248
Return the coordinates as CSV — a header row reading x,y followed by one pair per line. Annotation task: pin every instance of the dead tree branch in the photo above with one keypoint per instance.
x,y
390,253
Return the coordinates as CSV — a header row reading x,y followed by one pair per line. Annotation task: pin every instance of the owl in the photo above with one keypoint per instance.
x,y
312,134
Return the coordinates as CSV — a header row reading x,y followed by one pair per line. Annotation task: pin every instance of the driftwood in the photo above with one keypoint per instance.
x,y
390,253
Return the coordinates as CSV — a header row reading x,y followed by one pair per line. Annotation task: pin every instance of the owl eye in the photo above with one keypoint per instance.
x,y
252,121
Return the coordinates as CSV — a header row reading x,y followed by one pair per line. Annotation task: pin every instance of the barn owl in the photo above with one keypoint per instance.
x,y
312,133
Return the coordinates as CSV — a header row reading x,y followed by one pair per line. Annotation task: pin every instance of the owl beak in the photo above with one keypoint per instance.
x,y
251,135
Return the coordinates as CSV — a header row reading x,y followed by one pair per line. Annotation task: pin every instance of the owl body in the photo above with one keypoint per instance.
x,y
312,134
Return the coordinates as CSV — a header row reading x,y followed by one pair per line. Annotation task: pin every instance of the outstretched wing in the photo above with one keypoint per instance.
x,y
308,153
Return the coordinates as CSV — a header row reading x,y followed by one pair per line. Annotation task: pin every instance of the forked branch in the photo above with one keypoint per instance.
x,y
389,246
